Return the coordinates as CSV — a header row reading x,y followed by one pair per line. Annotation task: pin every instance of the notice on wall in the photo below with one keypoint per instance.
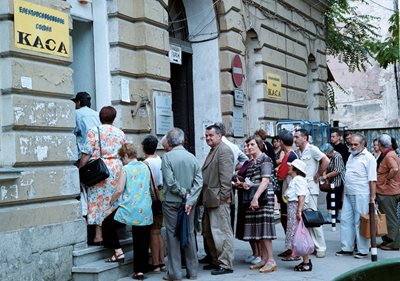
x,y
41,29
164,115
175,54
26,82
238,97
237,122
274,85
125,96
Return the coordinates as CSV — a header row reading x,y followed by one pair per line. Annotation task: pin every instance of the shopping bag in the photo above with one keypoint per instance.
x,y
380,225
302,244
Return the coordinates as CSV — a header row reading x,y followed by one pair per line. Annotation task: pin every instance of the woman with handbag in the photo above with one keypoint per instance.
x,y
149,146
134,210
103,142
258,194
297,196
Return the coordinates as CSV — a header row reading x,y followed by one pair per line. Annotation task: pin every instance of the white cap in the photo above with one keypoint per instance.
x,y
300,165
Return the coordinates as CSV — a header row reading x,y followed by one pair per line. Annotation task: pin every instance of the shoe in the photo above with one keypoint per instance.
x,y
360,256
258,265
256,260
268,267
285,254
249,259
343,253
386,248
191,277
291,258
303,266
320,254
167,278
116,258
138,276
210,267
221,270
205,260
95,243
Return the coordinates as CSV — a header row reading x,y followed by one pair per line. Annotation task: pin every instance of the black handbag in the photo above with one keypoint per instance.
x,y
312,218
94,171
248,195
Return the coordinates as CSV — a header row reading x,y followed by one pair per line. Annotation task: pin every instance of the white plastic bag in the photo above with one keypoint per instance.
x,y
302,244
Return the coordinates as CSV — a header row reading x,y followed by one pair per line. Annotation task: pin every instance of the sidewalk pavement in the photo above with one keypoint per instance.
x,y
323,268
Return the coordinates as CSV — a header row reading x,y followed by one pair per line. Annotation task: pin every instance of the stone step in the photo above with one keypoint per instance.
x,y
95,253
103,271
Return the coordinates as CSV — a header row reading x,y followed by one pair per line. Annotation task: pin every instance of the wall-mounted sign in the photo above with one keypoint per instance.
x,y
274,85
175,54
237,122
238,97
237,71
41,29
164,116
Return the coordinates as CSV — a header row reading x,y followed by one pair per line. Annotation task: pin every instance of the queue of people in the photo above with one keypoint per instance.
x,y
290,175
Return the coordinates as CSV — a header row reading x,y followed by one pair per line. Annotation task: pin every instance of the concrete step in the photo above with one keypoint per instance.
x,y
94,253
103,271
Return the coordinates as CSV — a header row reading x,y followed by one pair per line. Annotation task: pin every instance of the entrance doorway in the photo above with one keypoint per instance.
x,y
182,99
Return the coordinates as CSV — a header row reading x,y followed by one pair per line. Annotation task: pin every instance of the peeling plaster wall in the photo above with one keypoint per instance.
x,y
40,219
372,101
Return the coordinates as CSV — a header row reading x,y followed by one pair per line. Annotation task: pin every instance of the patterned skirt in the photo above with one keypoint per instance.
x,y
291,223
260,224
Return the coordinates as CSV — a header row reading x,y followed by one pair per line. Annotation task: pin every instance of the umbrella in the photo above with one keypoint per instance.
x,y
182,226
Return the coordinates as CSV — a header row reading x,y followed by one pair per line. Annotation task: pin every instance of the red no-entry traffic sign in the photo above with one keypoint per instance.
x,y
237,71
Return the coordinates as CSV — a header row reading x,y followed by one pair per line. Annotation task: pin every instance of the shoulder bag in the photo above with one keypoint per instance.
x,y
94,171
312,218
156,206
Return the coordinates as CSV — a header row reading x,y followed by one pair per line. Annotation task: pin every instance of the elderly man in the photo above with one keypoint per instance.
x,y
217,197
359,191
316,162
388,192
182,181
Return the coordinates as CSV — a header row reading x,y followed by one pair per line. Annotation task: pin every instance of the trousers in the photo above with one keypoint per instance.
x,y
388,206
317,233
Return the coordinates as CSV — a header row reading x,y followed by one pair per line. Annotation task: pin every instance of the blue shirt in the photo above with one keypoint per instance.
x,y
86,118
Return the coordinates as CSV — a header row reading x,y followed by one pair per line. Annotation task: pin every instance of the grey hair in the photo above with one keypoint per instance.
x,y
385,140
175,137
361,137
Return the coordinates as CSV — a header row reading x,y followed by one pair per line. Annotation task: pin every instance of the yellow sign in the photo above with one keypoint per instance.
x,y
41,29
274,85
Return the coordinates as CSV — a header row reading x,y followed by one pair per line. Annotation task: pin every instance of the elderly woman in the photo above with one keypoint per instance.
x,y
134,210
259,218
99,195
334,174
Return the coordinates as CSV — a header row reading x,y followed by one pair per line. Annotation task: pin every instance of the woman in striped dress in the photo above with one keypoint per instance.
x,y
259,218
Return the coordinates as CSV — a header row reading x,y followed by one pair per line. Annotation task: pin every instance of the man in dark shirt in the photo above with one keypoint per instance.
x,y
339,146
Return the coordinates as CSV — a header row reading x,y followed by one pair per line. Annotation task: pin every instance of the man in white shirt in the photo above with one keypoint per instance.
x,y
359,191
316,163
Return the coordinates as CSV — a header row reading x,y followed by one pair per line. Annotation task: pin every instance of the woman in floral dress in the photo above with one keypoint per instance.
x,y
99,195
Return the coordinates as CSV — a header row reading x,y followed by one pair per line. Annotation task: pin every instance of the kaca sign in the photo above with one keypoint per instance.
x,y
41,29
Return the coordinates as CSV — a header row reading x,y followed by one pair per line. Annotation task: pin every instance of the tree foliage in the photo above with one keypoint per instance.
x,y
349,33
388,51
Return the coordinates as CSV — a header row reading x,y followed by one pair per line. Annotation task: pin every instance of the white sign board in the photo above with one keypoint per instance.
x,y
175,54
125,90
237,123
164,116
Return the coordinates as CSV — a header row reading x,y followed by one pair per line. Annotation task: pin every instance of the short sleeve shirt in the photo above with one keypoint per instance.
x,y
311,156
360,170
261,168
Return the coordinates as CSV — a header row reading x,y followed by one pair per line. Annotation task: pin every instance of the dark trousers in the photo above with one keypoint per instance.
x,y
110,236
141,242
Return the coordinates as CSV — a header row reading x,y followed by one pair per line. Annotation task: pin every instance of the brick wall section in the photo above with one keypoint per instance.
x,y
287,32
139,45
40,219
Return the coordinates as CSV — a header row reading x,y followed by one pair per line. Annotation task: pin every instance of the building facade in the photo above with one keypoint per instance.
x,y
127,53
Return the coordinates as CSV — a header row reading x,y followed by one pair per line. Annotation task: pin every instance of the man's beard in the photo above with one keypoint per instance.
x,y
354,152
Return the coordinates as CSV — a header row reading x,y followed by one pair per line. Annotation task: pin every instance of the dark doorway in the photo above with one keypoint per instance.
x,y
182,99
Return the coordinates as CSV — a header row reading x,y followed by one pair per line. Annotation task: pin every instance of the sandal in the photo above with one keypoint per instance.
x,y
163,268
138,276
116,258
285,254
257,266
291,258
303,266
268,267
